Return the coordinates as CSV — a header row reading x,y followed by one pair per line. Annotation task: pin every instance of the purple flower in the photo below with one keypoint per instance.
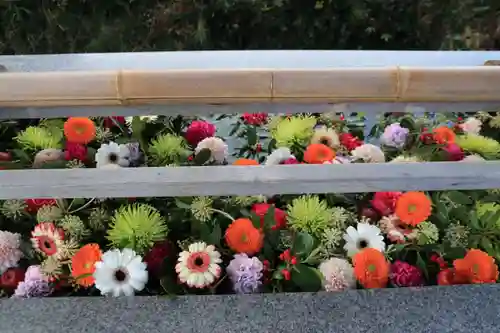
x,y
394,136
32,288
245,273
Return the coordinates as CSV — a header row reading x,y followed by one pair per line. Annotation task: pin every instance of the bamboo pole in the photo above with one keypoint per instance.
x,y
118,88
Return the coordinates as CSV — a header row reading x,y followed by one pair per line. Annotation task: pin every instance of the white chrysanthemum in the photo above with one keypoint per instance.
x,y
198,267
473,159
405,159
112,155
326,136
148,119
471,126
366,235
369,153
278,156
120,273
338,274
218,148
10,252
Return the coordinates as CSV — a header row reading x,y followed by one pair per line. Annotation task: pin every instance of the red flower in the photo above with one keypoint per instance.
x,y
156,256
446,277
35,204
109,123
199,130
290,161
11,278
349,141
260,209
385,202
405,275
75,151
256,119
454,152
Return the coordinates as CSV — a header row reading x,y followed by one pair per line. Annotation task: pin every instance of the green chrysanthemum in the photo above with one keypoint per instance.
x,y
457,235
310,214
103,134
38,138
294,130
427,233
98,218
13,209
54,126
201,208
330,241
74,226
486,147
245,201
137,227
341,217
167,149
49,213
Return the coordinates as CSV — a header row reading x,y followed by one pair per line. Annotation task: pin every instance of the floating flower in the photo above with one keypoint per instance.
x,y
385,202
32,288
13,209
75,151
478,144
260,209
168,149
33,205
242,237
405,275
349,141
368,153
156,256
371,268
395,230
476,267
199,130
74,226
48,155
471,126
38,138
11,278
10,252
137,226
293,130
83,264
34,272
98,218
245,273
325,136
47,239
79,130
198,267
49,214
135,152
217,147
201,208
317,153
120,273
443,135
338,275
365,236
255,119
279,156
453,152
427,233
112,155
394,136
413,208
309,214
245,161
457,235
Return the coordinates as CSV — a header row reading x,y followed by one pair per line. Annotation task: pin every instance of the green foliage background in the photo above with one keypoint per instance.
x,y
64,26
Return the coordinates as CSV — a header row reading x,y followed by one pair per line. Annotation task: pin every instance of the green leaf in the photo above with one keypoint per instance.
x,y
204,230
53,165
277,275
442,213
216,235
487,246
421,264
251,135
473,220
235,129
271,145
137,128
182,204
303,244
306,278
269,218
202,157
459,198
255,220
21,155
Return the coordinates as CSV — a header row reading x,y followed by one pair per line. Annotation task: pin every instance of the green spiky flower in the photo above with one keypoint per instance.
x,y
294,130
75,164
55,126
341,217
473,143
457,235
486,207
49,213
330,241
167,149
309,214
495,121
13,209
38,138
74,226
245,201
103,134
98,218
201,208
137,227
427,233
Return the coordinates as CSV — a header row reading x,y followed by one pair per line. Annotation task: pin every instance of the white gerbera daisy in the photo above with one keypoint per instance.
x,y
471,126
326,136
338,274
198,267
218,148
10,252
120,273
366,235
112,155
369,153
279,156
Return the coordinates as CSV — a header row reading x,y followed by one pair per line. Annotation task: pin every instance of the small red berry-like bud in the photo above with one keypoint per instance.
x,y
286,274
293,261
434,257
342,117
190,158
266,263
286,255
282,257
258,148
460,119
425,129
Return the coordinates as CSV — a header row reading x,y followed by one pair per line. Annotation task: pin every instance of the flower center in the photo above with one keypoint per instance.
x,y
79,129
87,265
120,275
113,158
244,238
47,245
362,244
412,208
371,268
198,261
324,140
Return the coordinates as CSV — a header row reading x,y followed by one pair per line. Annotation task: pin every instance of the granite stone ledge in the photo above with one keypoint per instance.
x,y
470,309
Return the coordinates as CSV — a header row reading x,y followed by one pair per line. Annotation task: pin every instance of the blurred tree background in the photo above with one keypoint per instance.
x,y
64,26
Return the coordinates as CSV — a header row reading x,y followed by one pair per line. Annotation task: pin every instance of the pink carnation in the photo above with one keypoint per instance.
x,y
10,252
405,275
199,130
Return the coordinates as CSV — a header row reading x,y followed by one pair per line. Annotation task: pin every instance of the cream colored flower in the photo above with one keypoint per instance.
x,y
369,153
47,156
471,126
326,136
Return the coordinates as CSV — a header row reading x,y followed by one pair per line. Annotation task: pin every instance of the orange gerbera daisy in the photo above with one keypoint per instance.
x,y
245,161
371,268
318,153
476,267
443,135
413,208
243,237
83,264
79,130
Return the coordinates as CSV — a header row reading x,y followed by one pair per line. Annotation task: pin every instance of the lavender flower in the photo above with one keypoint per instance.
x,y
245,273
394,136
32,288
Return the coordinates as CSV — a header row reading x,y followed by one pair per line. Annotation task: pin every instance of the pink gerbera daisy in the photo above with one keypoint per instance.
x,y
198,267
48,239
